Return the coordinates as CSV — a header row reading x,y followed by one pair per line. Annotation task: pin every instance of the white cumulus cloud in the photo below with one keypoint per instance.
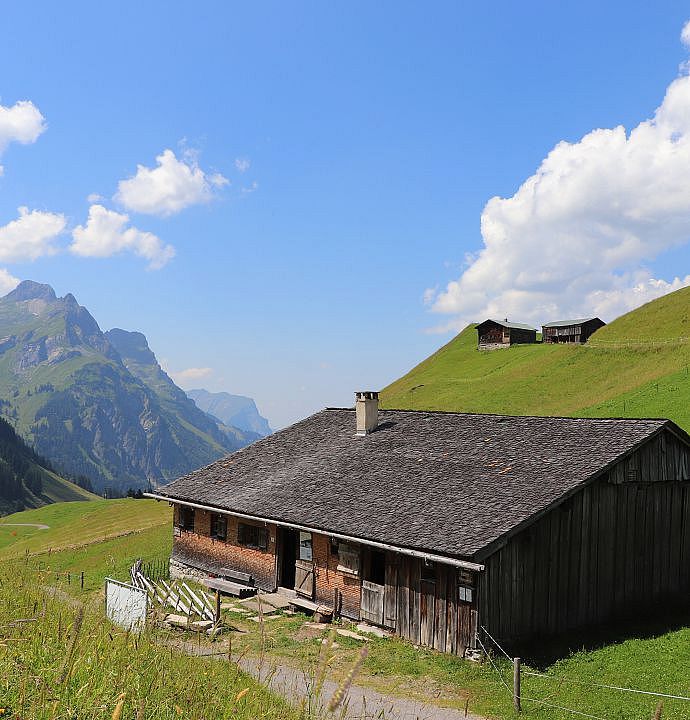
x,y
578,236
31,236
108,232
7,282
685,34
190,375
242,164
173,185
21,123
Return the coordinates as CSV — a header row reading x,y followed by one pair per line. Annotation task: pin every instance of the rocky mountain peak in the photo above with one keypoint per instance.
x,y
131,345
30,290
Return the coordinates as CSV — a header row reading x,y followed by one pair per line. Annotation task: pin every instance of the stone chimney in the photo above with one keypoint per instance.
x,y
366,411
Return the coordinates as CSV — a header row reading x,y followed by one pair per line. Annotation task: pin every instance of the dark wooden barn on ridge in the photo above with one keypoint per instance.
x,y
434,524
495,334
570,331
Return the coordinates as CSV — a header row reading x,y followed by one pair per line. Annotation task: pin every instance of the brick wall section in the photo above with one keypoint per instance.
x,y
200,550
328,578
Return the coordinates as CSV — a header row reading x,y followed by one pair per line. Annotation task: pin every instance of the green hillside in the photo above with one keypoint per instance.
x,y
26,479
637,366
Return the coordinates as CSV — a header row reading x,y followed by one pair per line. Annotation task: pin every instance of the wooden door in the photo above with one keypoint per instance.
x,y
390,598
304,578
371,608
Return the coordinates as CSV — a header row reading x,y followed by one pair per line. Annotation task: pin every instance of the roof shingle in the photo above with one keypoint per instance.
x,y
449,483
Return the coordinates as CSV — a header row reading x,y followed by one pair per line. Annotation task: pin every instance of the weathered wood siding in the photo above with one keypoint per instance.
x,y
618,547
492,335
428,612
577,333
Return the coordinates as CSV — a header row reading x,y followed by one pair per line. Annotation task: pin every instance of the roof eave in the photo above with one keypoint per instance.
x,y
413,552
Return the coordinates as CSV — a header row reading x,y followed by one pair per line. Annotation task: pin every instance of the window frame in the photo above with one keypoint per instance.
x,y
183,515
260,533
465,594
349,558
215,519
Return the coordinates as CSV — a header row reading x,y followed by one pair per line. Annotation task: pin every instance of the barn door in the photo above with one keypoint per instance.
x,y
373,587
390,598
304,567
372,602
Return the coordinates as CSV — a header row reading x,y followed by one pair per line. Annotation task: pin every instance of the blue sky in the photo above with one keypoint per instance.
x,y
328,169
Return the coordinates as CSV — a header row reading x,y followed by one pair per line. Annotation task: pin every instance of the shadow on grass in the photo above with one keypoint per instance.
x,y
659,620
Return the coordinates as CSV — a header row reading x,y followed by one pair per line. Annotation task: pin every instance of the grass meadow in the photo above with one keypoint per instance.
x,y
61,660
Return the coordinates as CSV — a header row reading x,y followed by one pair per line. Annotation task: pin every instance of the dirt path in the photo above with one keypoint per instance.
x,y
362,703
38,526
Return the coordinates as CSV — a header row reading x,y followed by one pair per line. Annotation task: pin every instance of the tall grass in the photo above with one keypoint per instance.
x,y
60,659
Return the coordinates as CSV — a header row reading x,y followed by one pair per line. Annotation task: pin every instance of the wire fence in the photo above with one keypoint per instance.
x,y
559,680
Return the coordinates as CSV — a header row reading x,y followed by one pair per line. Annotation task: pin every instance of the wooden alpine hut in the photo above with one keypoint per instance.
x,y
570,331
496,334
437,524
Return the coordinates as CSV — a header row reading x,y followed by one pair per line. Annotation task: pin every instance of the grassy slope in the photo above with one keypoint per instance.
x,y
56,666
394,666
636,366
81,523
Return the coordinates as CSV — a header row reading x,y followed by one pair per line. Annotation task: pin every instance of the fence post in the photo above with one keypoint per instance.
x,y
217,613
82,579
516,684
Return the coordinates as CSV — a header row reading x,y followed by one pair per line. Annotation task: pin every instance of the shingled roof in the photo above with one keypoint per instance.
x,y
506,324
447,483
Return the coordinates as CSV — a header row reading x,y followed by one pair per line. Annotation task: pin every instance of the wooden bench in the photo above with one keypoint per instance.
x,y
235,575
226,587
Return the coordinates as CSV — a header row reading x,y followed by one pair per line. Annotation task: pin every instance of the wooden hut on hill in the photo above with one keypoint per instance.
x,y
433,524
570,331
495,334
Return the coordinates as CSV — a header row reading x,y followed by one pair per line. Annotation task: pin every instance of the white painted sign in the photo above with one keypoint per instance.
x,y
125,605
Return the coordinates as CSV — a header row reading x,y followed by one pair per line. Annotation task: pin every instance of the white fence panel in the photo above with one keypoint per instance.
x,y
125,605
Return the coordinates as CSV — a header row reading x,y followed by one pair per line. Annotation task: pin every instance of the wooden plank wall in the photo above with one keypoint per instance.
x,y
619,546
429,612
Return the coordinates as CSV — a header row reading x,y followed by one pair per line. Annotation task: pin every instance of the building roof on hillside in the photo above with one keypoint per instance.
x,y
568,323
449,483
505,323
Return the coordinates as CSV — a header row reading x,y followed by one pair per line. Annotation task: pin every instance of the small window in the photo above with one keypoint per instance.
x,y
219,526
334,545
465,594
252,536
186,518
305,549
428,571
348,558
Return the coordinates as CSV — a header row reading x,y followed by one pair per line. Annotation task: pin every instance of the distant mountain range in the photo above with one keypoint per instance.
x,y
98,404
236,410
